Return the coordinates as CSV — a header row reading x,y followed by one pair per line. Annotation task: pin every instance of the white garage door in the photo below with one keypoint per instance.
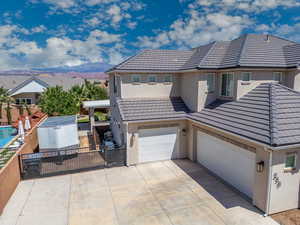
x,y
232,163
158,144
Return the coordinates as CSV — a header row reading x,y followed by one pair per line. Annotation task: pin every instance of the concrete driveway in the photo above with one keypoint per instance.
x,y
176,192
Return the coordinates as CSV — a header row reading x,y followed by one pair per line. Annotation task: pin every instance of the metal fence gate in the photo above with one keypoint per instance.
x,y
69,161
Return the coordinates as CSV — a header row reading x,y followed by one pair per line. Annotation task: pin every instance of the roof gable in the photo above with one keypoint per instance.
x,y
31,85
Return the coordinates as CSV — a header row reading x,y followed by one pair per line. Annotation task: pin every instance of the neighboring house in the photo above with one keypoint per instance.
x,y
24,88
230,105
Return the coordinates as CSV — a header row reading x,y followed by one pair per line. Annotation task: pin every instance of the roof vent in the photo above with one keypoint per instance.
x,y
267,38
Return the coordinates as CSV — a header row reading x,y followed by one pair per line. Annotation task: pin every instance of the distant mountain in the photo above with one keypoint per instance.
x,y
89,71
84,68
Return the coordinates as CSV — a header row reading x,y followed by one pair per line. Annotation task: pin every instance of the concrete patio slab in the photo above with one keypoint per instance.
x,y
177,192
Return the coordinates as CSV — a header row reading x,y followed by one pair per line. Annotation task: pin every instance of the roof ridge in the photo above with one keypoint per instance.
x,y
272,113
210,49
126,60
242,49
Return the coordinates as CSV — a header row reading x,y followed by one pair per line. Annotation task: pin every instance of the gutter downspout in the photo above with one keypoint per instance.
x,y
269,182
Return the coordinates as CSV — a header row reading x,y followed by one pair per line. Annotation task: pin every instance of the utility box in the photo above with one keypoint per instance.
x,y
58,133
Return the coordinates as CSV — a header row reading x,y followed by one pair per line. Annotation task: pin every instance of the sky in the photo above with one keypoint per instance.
x,y
54,33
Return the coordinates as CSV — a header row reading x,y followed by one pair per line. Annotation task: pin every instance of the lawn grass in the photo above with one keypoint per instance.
x,y
5,156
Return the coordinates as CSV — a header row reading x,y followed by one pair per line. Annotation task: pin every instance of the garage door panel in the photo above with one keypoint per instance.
x,y
158,144
232,163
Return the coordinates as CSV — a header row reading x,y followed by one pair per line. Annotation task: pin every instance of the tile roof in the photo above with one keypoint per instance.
x,y
151,109
163,60
269,114
14,82
251,50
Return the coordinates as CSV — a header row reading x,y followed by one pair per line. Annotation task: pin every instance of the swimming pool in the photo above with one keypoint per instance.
x,y
6,135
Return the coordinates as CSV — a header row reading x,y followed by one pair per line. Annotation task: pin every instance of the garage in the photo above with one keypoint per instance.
x,y
158,144
233,164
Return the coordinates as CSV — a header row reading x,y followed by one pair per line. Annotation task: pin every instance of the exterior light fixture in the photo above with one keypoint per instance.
x,y
260,166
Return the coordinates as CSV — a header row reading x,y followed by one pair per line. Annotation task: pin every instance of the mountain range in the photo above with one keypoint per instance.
x,y
88,70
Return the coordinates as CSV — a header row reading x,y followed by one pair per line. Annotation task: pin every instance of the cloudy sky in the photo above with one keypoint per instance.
x,y
51,33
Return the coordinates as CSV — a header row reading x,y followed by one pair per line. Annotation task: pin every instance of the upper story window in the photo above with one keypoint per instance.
x,y
246,76
210,82
168,78
277,76
136,78
290,161
152,78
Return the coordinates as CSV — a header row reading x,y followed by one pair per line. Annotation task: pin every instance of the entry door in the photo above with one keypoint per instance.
x,y
227,84
158,144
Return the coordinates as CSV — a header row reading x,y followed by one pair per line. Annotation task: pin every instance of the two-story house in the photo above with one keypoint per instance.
x,y
232,106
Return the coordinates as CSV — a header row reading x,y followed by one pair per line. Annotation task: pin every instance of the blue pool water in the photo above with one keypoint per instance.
x,y
6,134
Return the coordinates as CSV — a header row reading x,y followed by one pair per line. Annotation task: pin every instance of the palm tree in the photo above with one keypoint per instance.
x,y
3,95
9,100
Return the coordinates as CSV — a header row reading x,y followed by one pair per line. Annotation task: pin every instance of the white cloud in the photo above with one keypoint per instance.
x,y
131,25
245,5
115,12
197,29
292,32
97,2
38,29
16,53
92,22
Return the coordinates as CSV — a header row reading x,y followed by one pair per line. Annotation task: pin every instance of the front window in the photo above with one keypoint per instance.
x,y
277,76
168,79
227,84
246,76
152,78
136,78
27,101
290,161
210,82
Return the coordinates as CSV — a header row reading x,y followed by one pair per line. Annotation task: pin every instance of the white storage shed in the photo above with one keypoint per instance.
x,y
58,133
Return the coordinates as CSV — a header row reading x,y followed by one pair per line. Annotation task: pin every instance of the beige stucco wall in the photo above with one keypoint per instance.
x,y
133,140
189,85
294,77
27,95
284,194
257,77
260,193
144,89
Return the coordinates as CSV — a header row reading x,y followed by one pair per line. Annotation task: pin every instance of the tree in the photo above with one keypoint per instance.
x,y
3,96
55,101
9,100
94,92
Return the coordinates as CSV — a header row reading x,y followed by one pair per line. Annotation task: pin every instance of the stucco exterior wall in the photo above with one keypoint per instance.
x,y
260,192
145,89
189,87
284,193
133,137
295,77
33,96
257,77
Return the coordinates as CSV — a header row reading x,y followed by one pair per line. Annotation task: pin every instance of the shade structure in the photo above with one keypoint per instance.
x,y
21,131
27,123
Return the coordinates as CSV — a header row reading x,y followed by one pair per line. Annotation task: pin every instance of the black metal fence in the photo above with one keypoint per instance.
x,y
53,163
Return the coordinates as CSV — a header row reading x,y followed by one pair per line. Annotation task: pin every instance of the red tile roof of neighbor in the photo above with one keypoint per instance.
x,y
34,119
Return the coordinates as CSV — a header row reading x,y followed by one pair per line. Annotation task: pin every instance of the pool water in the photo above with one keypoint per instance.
x,y
6,135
